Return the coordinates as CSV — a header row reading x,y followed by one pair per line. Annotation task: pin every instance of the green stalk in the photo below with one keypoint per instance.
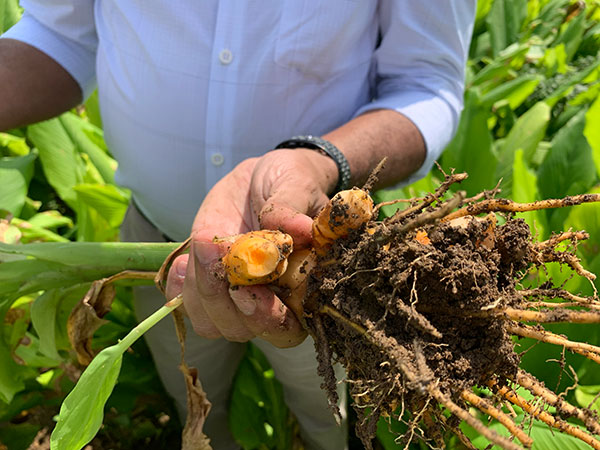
x,y
149,322
82,412
29,268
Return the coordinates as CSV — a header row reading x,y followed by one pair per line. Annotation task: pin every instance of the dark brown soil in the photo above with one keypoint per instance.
x,y
399,298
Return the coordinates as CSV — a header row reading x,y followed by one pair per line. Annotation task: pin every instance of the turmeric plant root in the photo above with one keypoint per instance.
x,y
422,307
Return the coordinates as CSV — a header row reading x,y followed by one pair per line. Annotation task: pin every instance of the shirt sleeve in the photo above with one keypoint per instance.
x,y
65,31
420,67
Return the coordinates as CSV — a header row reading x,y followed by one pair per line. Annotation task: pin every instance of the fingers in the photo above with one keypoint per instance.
x,y
206,295
176,277
267,317
288,220
238,314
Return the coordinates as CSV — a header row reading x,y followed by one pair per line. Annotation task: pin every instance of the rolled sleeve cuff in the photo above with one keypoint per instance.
x,y
79,61
432,115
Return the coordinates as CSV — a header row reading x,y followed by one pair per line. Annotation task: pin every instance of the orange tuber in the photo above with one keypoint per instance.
x,y
257,257
346,211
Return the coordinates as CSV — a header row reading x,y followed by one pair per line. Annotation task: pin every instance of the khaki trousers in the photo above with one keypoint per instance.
x,y
217,361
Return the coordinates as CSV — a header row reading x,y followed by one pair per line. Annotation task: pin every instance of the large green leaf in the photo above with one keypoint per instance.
x,y
524,189
544,437
108,200
43,317
258,415
505,21
568,168
24,164
587,396
82,411
61,162
14,190
471,149
525,135
80,131
592,131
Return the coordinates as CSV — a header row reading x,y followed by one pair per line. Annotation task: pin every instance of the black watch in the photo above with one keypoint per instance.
x,y
327,148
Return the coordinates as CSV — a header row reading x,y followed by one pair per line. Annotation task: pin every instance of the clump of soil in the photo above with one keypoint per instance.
x,y
415,308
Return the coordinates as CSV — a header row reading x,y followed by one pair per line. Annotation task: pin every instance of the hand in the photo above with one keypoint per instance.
x,y
282,190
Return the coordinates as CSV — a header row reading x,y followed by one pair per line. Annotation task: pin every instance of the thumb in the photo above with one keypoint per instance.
x,y
176,276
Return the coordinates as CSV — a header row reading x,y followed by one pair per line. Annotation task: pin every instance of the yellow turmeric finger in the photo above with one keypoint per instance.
x,y
348,210
257,257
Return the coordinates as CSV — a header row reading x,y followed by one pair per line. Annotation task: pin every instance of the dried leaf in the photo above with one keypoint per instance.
x,y
87,316
198,406
161,275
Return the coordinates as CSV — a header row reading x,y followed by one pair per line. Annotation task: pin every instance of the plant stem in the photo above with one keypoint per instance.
x,y
149,322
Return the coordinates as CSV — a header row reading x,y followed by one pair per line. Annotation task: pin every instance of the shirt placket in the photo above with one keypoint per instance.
x,y
221,94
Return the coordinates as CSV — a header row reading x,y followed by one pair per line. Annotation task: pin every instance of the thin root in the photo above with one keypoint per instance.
x,y
540,414
486,407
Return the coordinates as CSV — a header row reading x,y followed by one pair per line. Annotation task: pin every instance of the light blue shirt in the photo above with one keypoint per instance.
x,y
190,88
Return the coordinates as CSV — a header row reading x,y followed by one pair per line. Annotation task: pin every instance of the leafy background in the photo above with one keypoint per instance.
x,y
531,119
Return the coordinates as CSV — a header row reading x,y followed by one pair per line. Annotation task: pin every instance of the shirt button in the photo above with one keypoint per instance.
x,y
225,56
217,159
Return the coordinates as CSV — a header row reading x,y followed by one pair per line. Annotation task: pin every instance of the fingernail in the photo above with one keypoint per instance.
x,y
206,252
245,301
181,268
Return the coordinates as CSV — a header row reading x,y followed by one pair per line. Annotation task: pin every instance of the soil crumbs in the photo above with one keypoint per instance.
x,y
385,304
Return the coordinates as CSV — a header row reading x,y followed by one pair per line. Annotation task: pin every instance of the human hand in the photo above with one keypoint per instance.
x,y
282,190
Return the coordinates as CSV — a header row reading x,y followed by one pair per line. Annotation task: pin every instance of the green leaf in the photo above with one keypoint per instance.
x,y
527,132
43,317
50,220
29,352
33,233
471,149
14,145
505,21
498,69
524,189
587,396
572,35
555,60
587,217
19,436
92,110
14,190
514,92
80,131
11,380
24,164
568,168
247,416
592,131
258,415
61,162
550,18
109,201
10,13
82,411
